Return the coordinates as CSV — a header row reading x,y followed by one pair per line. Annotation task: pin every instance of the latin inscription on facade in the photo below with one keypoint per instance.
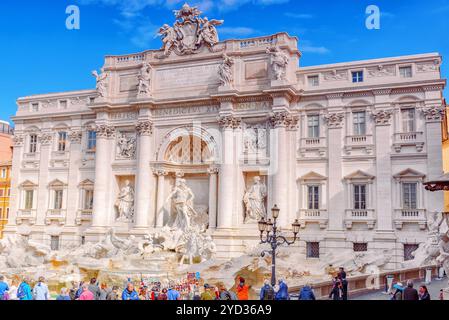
x,y
183,111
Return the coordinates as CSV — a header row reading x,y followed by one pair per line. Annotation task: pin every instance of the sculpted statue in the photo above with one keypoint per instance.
x,y
254,200
209,249
443,258
225,71
127,146
169,38
189,33
182,199
101,82
144,80
125,203
208,33
279,62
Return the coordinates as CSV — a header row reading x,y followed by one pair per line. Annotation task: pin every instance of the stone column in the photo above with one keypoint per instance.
x,y
75,137
433,116
145,179
384,209
102,171
161,174
279,165
18,151
336,202
226,181
213,179
43,195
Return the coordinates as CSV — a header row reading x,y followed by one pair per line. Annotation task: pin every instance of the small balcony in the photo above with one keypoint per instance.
x,y
313,216
57,215
26,215
315,147
408,139
360,216
363,142
84,215
418,216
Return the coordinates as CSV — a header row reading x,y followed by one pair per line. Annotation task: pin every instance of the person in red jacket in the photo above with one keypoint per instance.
x,y
242,290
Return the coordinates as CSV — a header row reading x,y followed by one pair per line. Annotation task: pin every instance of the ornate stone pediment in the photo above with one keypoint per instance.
x,y
312,176
360,176
409,174
190,33
56,184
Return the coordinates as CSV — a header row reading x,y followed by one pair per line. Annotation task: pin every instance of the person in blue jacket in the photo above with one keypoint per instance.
x,y
129,293
4,288
282,293
267,291
24,290
307,293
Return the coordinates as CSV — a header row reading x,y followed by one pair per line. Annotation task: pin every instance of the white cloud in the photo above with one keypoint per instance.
x,y
298,15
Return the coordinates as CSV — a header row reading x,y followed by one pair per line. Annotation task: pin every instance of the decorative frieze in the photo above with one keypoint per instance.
x,y
144,128
429,66
382,117
334,120
382,71
336,75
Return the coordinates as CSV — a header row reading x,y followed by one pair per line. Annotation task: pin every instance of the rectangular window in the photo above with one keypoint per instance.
x,y
62,141
29,194
4,172
408,250
313,249
7,213
360,197
313,195
8,193
58,199
88,199
63,104
408,120
314,81
54,243
313,124
359,119
360,247
405,72
2,192
357,76
33,143
91,140
35,107
409,196
83,240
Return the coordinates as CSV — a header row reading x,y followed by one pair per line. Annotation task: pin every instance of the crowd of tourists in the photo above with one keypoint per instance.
x,y
187,289
409,293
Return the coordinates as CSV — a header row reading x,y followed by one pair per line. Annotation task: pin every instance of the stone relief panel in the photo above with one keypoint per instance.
x,y
187,77
336,75
255,139
430,66
382,71
126,145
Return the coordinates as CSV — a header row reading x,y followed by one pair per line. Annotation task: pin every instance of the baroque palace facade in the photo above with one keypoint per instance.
x,y
343,148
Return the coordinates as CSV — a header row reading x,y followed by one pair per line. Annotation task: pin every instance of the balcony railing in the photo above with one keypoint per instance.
x,y
57,215
313,142
359,140
360,216
319,216
83,215
408,139
410,216
26,215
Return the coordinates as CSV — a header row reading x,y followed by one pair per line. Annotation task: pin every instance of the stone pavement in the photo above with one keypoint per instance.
x,y
434,289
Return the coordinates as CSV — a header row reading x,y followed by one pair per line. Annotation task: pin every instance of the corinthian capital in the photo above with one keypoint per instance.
x,y
18,140
105,131
229,122
382,117
45,138
281,119
145,128
334,120
75,136
433,113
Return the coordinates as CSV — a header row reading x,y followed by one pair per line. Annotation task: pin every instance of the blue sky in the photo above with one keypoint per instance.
x,y
39,55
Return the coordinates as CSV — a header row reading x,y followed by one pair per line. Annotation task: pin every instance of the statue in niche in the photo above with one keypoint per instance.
x,y
254,200
182,199
279,62
101,82
144,80
255,138
225,71
127,146
125,203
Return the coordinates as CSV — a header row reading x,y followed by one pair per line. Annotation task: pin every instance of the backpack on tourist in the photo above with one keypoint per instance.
x,y
269,293
20,292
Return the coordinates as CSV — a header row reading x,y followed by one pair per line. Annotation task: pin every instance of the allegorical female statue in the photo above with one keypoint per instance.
x,y
254,200
125,203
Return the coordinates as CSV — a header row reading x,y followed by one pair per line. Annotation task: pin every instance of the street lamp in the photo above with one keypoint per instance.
x,y
269,234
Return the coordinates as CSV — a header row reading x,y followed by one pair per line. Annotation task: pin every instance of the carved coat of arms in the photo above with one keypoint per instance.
x,y
189,33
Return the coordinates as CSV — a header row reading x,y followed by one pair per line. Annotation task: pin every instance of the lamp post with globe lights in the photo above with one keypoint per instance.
x,y
270,234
